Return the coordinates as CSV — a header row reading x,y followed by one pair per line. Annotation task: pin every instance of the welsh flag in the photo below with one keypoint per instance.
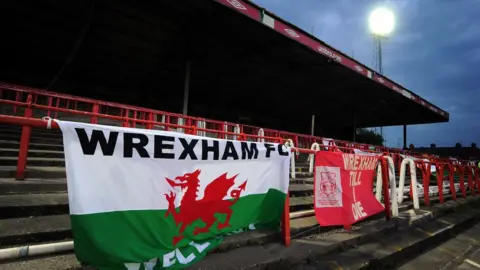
x,y
144,199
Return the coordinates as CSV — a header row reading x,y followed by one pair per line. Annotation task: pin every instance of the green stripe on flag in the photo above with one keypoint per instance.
x,y
109,239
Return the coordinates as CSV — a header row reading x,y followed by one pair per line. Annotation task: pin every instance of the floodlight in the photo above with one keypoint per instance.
x,y
382,22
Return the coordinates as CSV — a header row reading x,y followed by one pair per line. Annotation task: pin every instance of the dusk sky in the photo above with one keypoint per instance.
x,y
434,51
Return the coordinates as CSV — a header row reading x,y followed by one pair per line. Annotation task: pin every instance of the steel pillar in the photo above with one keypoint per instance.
x,y
186,89
313,125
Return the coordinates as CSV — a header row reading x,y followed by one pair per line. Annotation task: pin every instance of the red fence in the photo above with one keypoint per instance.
x,y
55,103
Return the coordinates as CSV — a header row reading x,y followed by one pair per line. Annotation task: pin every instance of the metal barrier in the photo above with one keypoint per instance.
x,y
311,157
426,167
385,171
15,95
413,182
289,143
261,134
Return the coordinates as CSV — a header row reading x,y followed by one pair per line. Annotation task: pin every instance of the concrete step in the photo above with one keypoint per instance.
x,y
301,203
32,186
34,146
460,252
33,139
302,175
33,205
19,231
34,161
300,190
15,131
387,252
57,262
34,172
32,153
305,180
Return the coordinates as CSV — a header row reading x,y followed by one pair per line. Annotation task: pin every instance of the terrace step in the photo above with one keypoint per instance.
x,y
18,231
33,139
29,205
300,190
4,144
54,133
32,153
388,251
34,161
34,172
32,186
456,253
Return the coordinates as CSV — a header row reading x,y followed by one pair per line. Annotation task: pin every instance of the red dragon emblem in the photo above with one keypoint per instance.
x,y
213,202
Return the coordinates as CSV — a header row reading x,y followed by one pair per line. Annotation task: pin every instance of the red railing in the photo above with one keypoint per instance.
x,y
52,102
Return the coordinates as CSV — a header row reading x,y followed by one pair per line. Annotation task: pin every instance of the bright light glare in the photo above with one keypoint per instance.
x,y
381,22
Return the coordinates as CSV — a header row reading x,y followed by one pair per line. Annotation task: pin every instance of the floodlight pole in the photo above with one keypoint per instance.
x,y
377,39
312,132
186,89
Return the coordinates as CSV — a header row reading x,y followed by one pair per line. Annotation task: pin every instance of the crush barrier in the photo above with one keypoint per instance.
x,y
289,143
387,172
16,96
413,182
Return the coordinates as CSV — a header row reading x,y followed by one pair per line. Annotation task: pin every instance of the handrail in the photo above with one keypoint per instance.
x,y
413,182
305,139
299,139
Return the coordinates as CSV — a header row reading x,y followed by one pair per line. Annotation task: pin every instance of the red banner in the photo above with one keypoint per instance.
x,y
343,188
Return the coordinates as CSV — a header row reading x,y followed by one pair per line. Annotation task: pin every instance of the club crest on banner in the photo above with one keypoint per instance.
x,y
327,183
329,189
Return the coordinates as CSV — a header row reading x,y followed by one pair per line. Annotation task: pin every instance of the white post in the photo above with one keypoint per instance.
x,y
289,143
237,131
393,185
201,124
261,132
413,176
181,123
311,157
225,129
379,185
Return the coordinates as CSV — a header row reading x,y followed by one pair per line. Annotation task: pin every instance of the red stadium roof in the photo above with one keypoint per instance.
x,y
247,65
